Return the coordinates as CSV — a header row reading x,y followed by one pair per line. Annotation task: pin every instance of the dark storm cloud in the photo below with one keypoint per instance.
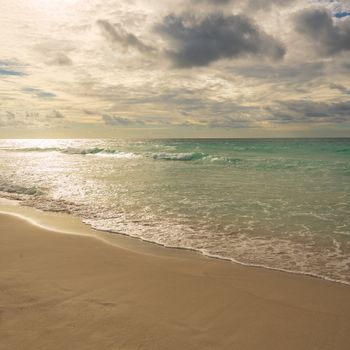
x,y
199,42
306,111
117,34
317,25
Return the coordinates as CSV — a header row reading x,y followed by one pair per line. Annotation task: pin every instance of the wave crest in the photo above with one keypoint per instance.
x,y
20,190
179,156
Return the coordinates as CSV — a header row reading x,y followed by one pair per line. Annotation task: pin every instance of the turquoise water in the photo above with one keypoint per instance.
x,y
281,203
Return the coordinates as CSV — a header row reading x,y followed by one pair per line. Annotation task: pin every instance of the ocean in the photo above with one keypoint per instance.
x,y
277,203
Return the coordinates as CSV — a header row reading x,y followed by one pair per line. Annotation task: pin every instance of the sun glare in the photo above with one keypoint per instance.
x,y
57,3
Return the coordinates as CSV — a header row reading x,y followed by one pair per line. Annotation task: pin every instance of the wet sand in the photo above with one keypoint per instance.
x,y
62,291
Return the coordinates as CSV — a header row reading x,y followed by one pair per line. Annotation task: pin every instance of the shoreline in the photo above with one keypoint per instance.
x,y
72,289
76,291
77,225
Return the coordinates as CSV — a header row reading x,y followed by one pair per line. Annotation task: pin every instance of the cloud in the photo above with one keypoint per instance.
x,y
11,68
317,25
7,118
54,52
346,66
267,4
111,64
39,93
60,59
213,2
117,34
231,122
252,4
305,111
89,112
7,63
115,120
301,72
340,88
30,119
199,42
55,115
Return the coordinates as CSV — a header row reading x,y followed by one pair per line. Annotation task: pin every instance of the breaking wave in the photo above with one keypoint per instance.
x,y
85,151
179,156
116,153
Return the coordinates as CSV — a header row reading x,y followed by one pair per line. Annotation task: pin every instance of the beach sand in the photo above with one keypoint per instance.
x,y
60,291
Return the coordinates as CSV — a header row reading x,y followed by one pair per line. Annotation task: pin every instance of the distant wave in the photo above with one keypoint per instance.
x,y
119,155
84,151
343,150
179,156
33,149
105,152
79,151
261,163
69,150
116,153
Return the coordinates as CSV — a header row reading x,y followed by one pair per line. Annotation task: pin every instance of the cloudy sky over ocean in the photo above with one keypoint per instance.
x,y
174,68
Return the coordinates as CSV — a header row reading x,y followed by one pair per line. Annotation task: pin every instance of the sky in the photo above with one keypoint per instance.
x,y
195,68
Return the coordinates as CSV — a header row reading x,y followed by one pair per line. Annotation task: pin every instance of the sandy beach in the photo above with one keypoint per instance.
x,y
67,291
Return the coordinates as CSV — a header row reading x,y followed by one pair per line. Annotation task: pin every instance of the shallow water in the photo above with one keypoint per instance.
x,y
277,203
